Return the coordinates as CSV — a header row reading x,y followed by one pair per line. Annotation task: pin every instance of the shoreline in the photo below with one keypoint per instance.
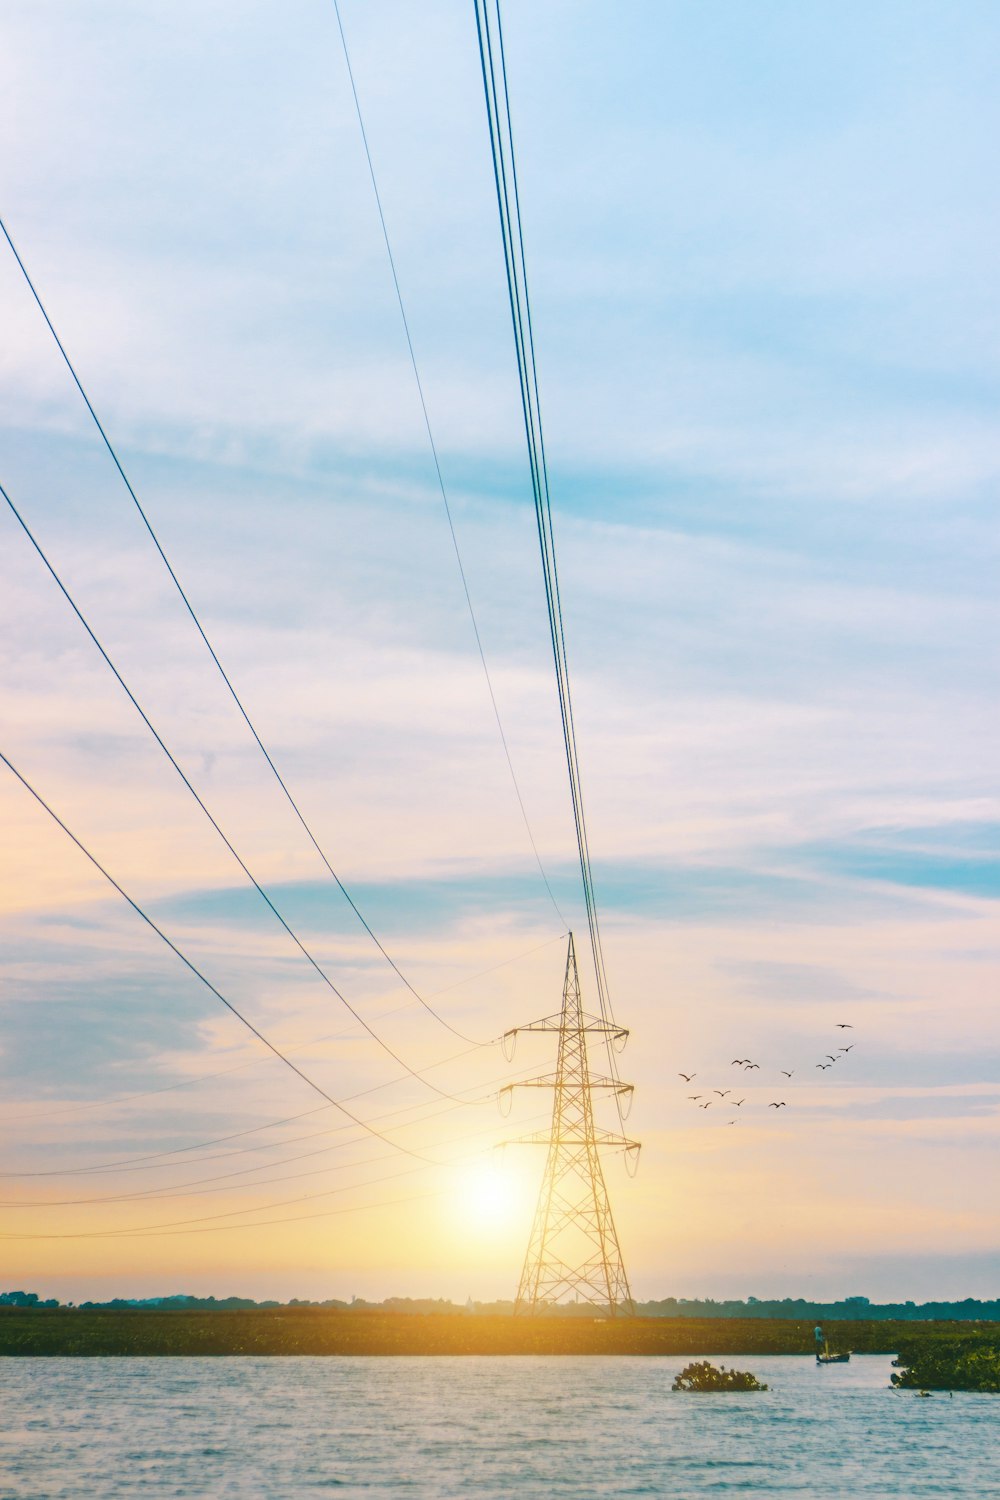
x,y
143,1333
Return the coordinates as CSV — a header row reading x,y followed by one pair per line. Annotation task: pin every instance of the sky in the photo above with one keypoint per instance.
x,y
762,246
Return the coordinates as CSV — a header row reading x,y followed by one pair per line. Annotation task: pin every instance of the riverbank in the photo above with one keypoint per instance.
x,y
322,1331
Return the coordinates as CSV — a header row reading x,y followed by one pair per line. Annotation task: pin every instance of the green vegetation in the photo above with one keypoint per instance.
x,y
319,1330
970,1362
704,1377
849,1309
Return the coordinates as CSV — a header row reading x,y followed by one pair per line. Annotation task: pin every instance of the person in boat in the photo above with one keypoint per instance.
x,y
820,1340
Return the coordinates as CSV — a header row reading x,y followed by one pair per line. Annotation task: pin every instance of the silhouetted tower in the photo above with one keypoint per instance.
x,y
574,1248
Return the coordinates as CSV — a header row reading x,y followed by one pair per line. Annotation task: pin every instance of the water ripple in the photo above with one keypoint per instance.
x,y
433,1429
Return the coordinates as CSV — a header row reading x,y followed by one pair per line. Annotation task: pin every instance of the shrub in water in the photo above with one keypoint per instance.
x,y
702,1376
964,1364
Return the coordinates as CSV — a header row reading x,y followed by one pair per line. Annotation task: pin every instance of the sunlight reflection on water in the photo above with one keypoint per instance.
x,y
435,1428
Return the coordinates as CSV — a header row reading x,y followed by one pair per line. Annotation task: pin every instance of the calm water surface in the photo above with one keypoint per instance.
x,y
429,1428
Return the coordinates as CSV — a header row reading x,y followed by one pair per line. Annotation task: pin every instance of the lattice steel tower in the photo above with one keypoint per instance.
x,y
574,1247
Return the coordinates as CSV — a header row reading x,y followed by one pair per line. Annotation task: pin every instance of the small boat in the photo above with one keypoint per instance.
x,y
826,1358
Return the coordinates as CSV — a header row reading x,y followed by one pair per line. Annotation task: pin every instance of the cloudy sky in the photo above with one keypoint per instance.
x,y
763,244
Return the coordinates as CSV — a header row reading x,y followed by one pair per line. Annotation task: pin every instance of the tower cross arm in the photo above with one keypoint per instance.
x,y
552,1081
596,1137
587,1023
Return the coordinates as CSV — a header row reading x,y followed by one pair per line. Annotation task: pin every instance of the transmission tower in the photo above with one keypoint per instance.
x,y
574,1249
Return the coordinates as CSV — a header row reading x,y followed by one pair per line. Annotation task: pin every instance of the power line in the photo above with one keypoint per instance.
x,y
211,649
185,1083
202,805
182,1225
494,71
437,463
354,1208
188,1083
233,1213
155,1160
197,1188
193,967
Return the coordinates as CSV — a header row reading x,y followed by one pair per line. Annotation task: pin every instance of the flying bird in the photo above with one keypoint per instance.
x,y
780,1104
730,1122
824,1066
846,1049
722,1092
832,1059
738,1062
787,1075
705,1106
749,1065
687,1077
844,1026
694,1096
738,1102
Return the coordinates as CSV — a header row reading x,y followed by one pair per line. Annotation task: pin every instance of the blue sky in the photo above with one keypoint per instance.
x,y
762,245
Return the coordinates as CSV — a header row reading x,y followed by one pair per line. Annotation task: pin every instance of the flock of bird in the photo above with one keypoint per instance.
x,y
701,1101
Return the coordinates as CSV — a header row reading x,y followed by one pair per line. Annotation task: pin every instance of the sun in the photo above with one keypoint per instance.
x,y
488,1195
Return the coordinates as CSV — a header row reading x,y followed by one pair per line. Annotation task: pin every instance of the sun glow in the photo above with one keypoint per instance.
x,y
490,1195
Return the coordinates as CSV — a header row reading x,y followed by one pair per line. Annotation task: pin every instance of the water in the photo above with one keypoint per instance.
x,y
429,1429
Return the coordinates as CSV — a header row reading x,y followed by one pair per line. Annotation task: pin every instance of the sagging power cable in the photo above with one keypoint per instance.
x,y
437,464
189,786
491,53
170,1158
293,804
196,1187
185,1225
329,1213
187,962
85,1105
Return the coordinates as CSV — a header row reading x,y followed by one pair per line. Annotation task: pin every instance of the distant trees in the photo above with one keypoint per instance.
x,y
849,1309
